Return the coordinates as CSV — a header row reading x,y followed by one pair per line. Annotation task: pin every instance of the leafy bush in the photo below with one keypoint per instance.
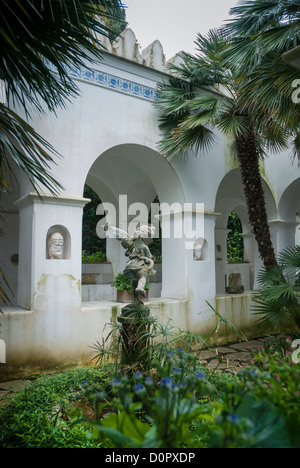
x,y
38,417
98,257
122,283
262,408
155,410
181,406
235,243
179,403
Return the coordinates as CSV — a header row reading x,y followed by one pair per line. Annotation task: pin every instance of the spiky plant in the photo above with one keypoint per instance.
x,y
278,298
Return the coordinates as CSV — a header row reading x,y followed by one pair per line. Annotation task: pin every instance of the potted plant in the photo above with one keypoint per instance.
x,y
123,287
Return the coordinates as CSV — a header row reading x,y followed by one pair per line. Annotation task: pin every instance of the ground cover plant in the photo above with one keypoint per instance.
x,y
179,403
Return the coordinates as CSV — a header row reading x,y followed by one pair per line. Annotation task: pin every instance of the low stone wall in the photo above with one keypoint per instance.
x,y
97,280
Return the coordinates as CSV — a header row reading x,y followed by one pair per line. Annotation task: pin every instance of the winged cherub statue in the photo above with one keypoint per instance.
x,y
140,260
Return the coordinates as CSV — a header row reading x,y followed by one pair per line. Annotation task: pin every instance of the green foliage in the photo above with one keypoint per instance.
x,y
235,243
33,36
122,283
278,298
98,257
159,338
39,416
177,404
262,408
156,412
117,26
91,243
271,27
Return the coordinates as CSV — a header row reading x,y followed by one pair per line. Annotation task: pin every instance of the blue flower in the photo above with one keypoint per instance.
x,y
149,381
139,388
167,382
200,376
233,418
138,375
115,383
176,371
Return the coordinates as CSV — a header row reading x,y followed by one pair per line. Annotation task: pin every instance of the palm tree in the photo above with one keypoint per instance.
x,y
271,26
206,93
33,35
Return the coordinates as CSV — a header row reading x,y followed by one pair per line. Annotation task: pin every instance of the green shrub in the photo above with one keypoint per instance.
x,y
262,408
156,410
39,416
122,283
98,257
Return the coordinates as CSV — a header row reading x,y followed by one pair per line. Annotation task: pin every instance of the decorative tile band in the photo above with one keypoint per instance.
x,y
110,81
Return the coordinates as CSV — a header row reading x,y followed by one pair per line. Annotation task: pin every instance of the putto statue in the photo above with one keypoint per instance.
x,y
55,243
140,260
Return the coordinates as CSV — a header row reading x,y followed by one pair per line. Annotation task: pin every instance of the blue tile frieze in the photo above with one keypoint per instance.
x,y
110,81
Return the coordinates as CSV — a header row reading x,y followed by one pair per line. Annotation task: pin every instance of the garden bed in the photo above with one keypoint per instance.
x,y
180,403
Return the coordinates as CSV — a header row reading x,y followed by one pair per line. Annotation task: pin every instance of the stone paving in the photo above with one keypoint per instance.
x,y
9,389
229,358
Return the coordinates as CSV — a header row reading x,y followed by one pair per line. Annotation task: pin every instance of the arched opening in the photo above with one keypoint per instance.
x,y
125,179
289,216
235,241
236,248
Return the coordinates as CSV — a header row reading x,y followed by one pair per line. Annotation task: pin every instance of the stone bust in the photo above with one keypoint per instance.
x,y
55,245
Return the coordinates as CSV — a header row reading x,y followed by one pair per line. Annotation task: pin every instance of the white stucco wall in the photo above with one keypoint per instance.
x,y
109,138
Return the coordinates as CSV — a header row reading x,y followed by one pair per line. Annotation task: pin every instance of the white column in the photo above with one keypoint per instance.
x,y
283,234
47,284
221,235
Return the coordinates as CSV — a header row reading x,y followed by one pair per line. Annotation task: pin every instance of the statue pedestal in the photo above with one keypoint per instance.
x,y
134,335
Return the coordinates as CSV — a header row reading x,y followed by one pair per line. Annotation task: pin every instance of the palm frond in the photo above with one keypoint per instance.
x,y
278,299
290,257
256,16
182,140
31,154
58,32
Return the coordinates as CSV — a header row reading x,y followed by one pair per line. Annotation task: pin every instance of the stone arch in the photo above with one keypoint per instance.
x,y
141,174
289,203
289,216
230,196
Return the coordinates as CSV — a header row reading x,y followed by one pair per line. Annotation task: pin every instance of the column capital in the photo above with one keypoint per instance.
x,y
49,199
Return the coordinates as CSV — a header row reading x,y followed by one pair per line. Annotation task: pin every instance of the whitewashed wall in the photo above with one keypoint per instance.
x,y
108,138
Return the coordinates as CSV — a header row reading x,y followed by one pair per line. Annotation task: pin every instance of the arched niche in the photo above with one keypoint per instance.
x,y
64,232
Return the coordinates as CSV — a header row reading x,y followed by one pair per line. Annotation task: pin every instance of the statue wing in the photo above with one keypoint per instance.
x,y
117,233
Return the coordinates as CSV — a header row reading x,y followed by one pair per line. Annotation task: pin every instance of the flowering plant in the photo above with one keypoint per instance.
x,y
262,408
156,411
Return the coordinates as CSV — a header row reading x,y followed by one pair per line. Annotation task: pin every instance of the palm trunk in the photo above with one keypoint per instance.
x,y
252,182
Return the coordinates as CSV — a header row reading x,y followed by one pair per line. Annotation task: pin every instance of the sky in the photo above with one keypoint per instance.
x,y
175,23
